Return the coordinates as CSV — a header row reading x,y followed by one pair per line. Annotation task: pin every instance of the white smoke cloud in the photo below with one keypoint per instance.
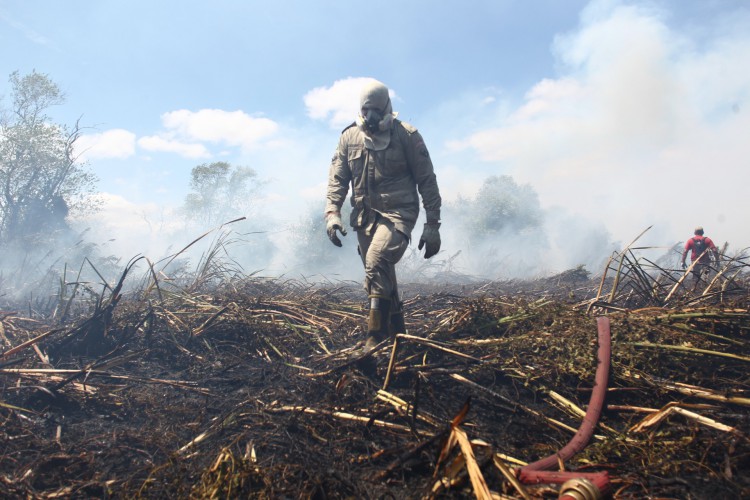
x,y
132,228
114,143
644,125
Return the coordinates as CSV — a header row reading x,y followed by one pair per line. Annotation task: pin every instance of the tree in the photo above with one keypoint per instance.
x,y
41,179
220,192
501,228
502,206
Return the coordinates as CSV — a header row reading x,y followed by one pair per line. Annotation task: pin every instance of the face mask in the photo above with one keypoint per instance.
x,y
372,120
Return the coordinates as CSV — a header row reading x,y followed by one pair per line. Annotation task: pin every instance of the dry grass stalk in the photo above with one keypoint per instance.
x,y
481,490
451,476
622,254
405,407
674,408
24,345
14,407
692,350
510,476
344,416
577,411
440,346
687,389
391,363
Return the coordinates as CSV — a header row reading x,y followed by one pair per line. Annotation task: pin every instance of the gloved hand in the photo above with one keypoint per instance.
x,y
684,266
333,224
430,238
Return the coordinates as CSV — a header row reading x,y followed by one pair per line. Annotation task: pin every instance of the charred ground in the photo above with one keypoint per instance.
x,y
243,388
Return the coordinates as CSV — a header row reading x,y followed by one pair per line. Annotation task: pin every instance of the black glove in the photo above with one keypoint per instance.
x,y
430,238
684,266
333,224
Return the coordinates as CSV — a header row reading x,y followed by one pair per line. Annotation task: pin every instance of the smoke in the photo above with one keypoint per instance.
x,y
642,123
642,116
502,232
40,271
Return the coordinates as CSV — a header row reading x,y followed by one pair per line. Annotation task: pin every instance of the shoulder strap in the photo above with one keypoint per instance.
x,y
408,127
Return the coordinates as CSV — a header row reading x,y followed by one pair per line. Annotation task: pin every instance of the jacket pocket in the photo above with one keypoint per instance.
x,y
356,160
356,218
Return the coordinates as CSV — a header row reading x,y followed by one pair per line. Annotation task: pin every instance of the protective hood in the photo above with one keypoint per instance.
x,y
375,96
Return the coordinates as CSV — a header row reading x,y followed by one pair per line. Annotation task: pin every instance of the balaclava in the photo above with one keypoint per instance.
x,y
379,120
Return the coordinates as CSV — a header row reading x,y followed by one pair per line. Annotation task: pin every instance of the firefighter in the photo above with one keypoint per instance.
x,y
701,248
388,166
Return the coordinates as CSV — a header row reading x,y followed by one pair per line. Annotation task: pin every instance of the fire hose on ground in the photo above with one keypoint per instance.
x,y
577,485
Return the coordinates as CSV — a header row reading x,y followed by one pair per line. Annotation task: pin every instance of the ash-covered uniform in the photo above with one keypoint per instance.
x,y
386,185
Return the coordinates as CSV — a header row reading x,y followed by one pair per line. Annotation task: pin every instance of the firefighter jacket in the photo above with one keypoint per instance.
x,y
386,182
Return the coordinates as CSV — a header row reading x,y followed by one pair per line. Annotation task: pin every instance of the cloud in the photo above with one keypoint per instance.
x,y
114,143
339,103
233,128
166,145
639,118
186,132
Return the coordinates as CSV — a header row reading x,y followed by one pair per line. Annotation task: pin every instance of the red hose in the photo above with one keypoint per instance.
x,y
532,473
556,477
598,479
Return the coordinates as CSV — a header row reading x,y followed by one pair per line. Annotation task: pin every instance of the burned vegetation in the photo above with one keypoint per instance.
x,y
225,386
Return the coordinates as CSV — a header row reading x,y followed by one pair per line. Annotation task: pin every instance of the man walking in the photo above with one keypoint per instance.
x,y
700,247
388,166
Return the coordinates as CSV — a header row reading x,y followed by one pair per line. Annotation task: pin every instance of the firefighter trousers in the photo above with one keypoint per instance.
x,y
381,246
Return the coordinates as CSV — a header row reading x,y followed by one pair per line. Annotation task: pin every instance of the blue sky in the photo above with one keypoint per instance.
x,y
616,112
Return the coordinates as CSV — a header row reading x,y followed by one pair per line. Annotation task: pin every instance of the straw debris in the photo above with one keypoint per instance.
x,y
243,386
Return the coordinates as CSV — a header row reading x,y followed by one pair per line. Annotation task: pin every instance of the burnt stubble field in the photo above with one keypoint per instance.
x,y
226,387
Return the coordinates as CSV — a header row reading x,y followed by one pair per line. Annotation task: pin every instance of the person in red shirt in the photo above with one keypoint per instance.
x,y
701,248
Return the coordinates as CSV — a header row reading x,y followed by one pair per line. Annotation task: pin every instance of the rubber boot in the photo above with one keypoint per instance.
x,y
378,322
397,319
